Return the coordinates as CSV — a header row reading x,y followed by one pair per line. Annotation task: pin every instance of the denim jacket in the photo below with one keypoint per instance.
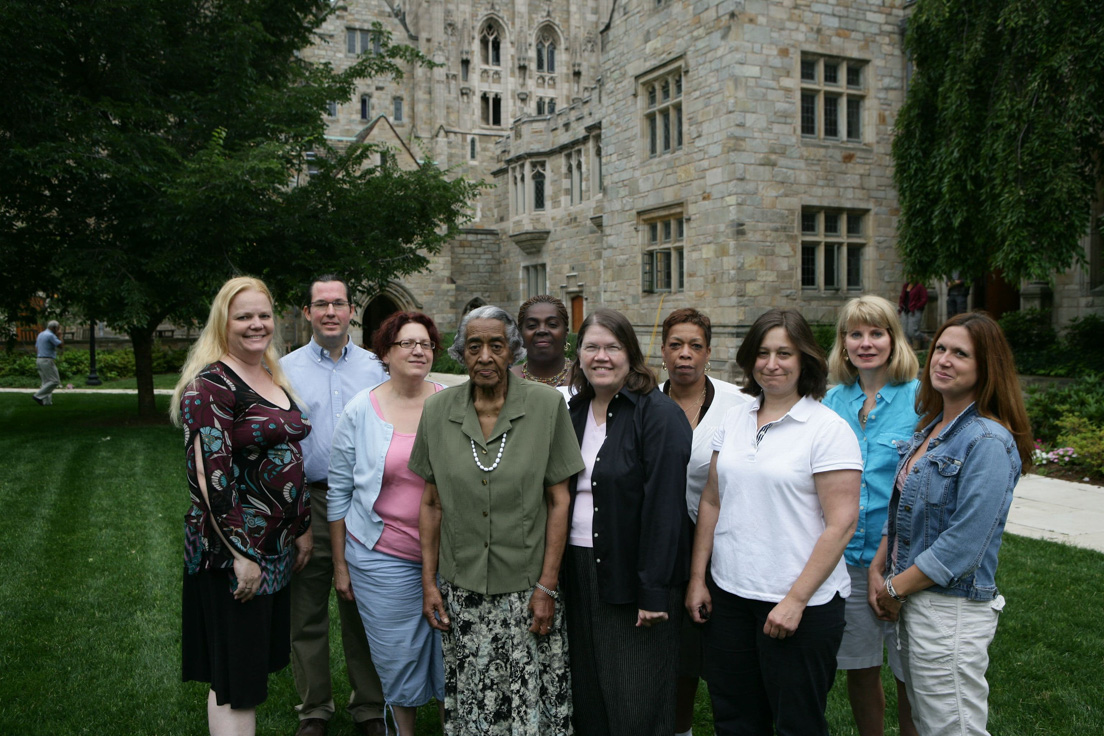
x,y
949,516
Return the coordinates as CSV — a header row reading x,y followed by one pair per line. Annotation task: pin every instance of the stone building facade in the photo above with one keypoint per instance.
x,y
646,155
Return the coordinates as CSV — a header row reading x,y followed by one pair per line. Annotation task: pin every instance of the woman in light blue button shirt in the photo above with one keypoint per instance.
x,y
875,370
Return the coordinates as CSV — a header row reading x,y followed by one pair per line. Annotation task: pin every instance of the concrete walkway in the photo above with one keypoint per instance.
x,y
1043,508
1059,511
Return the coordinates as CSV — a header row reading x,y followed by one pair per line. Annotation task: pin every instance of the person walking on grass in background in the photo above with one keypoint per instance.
x,y
875,372
248,529
46,346
326,374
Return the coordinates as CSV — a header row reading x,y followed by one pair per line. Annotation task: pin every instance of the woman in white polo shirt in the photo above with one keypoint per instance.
x,y
778,509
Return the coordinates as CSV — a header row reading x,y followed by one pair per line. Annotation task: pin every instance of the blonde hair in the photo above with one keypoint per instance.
x,y
212,343
874,311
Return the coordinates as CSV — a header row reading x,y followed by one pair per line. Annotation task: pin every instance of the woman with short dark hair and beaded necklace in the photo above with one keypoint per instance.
x,y
544,325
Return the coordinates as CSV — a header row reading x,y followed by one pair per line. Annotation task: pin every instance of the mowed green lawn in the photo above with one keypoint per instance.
x,y
91,561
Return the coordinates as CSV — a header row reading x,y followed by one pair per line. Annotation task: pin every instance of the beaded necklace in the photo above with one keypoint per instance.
x,y
501,447
553,381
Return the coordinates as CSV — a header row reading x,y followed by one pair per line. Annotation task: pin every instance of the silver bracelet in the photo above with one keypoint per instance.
x,y
553,594
891,591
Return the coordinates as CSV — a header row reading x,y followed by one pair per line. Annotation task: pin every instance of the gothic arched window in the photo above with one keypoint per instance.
x,y
490,43
546,52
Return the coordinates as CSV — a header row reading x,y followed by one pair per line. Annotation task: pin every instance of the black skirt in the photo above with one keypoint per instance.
x,y
233,645
622,676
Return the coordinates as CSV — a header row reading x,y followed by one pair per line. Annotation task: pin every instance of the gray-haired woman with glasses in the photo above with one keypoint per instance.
x,y
374,501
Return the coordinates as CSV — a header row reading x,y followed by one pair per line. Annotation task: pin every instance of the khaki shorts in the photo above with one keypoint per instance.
x,y
865,635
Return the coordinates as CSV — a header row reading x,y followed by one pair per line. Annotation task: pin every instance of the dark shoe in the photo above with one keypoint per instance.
x,y
312,727
371,727
41,402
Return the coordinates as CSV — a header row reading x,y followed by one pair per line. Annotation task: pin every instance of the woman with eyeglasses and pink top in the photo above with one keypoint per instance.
x,y
374,501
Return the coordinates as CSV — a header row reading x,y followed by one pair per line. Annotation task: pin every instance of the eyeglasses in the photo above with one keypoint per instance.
x,y
339,305
592,349
409,344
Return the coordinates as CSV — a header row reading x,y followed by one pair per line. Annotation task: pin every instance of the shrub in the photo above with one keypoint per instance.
x,y
825,335
1033,340
1083,344
1086,440
20,365
1040,350
442,361
1046,406
74,364
116,364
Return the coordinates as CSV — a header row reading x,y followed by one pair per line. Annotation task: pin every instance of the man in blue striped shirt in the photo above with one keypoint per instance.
x,y
326,373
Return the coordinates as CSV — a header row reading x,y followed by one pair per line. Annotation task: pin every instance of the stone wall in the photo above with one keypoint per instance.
x,y
740,180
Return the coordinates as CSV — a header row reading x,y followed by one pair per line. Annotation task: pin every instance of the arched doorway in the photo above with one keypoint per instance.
x,y
995,295
377,310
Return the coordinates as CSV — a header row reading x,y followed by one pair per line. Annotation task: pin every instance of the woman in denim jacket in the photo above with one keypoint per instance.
x,y
948,510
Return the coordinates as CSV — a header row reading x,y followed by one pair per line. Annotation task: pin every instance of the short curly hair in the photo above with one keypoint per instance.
x,y
688,316
489,311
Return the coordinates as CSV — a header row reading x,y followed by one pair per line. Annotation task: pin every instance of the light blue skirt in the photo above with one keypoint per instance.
x,y
405,649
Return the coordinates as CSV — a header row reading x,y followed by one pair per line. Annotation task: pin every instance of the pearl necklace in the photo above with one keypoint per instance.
x,y
553,381
501,447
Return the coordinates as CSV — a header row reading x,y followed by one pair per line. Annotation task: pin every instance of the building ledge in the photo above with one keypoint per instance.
x,y
530,241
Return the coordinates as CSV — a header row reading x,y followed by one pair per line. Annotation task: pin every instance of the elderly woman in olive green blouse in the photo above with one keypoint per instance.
x,y
497,454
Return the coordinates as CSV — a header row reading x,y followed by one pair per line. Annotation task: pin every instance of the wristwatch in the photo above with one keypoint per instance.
x,y
553,594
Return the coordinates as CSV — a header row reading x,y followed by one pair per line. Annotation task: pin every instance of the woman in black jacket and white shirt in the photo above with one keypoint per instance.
x,y
628,552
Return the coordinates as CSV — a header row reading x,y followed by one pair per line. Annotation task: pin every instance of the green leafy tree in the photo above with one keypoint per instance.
x,y
999,143
149,149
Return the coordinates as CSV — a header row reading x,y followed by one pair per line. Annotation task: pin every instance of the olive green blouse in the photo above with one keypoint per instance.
x,y
493,523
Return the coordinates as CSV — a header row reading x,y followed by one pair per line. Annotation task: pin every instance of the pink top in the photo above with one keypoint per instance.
x,y
582,518
399,498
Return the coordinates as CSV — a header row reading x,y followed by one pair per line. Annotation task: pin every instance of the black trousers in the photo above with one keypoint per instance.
x,y
761,685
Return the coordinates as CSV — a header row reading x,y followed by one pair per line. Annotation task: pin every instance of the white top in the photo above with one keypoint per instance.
x,y
770,516
582,517
725,396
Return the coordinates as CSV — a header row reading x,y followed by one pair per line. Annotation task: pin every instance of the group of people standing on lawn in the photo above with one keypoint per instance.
x,y
567,545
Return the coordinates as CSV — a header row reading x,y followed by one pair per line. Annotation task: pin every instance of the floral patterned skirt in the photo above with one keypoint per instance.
x,y
501,680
